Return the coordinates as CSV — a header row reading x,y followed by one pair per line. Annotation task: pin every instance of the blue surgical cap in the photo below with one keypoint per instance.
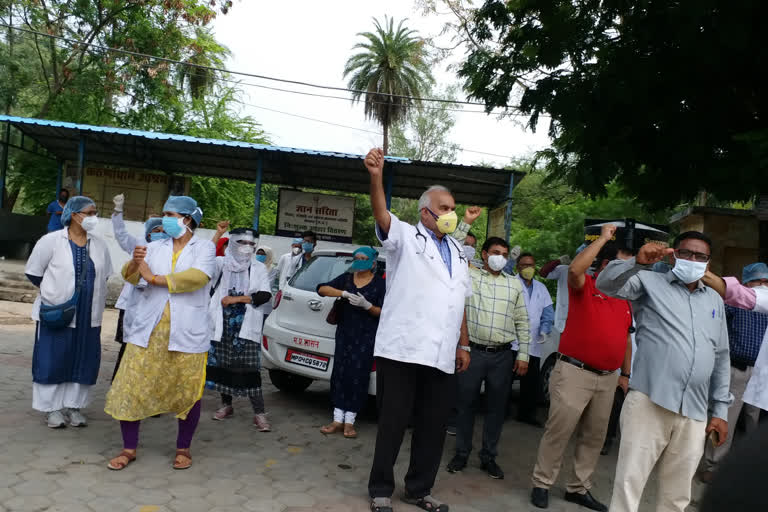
x,y
368,251
74,205
151,224
753,272
184,205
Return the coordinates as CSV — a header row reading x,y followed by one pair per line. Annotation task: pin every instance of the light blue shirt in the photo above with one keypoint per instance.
x,y
682,362
444,248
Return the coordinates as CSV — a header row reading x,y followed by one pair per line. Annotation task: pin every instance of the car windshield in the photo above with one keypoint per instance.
x,y
324,268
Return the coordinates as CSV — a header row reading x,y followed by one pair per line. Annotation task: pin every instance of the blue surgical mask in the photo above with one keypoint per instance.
x,y
156,236
261,257
308,246
174,226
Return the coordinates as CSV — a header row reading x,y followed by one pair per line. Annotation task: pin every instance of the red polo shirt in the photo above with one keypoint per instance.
x,y
597,327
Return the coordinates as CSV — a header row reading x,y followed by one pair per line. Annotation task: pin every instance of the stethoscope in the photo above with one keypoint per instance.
x,y
420,235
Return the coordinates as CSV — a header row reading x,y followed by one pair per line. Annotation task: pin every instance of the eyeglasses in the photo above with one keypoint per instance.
x,y
685,254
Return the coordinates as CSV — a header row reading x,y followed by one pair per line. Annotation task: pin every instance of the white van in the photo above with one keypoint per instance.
x,y
298,344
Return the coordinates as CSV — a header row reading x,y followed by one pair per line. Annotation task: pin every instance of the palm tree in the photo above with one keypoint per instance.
x,y
391,70
204,51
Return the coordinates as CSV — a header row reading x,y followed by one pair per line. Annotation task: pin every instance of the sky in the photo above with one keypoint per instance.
x,y
310,41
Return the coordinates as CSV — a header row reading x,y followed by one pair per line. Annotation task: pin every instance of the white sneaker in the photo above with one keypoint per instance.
x,y
56,419
76,418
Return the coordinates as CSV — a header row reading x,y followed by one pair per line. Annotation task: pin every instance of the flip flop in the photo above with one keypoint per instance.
x,y
381,505
181,464
122,465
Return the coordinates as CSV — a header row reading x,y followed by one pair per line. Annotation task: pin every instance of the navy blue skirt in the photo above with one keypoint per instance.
x,y
70,355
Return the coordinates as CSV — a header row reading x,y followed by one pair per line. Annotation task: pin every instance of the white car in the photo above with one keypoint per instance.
x,y
298,344
548,358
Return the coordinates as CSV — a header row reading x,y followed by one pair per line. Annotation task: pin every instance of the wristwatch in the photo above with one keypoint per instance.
x,y
465,348
625,375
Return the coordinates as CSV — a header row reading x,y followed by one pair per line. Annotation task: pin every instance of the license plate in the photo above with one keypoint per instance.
x,y
308,360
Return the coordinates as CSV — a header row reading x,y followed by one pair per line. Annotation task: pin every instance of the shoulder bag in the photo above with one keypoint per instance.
x,y
60,316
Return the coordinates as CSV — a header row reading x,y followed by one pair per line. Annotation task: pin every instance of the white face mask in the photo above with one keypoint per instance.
x,y
497,262
245,249
689,271
469,251
296,251
89,223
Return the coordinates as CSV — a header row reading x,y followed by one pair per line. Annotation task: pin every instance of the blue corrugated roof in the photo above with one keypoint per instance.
x,y
285,166
184,138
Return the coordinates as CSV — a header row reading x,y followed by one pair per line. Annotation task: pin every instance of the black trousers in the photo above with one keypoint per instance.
x,y
530,389
119,339
613,423
405,390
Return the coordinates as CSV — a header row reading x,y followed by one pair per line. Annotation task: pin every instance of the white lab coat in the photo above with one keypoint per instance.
x,y
51,259
287,265
757,388
535,304
254,316
128,243
560,274
189,311
423,308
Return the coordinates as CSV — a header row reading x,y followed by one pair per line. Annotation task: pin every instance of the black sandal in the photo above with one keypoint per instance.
x,y
381,505
427,503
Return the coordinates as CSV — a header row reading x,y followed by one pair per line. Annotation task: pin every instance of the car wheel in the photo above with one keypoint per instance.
x,y
546,373
289,382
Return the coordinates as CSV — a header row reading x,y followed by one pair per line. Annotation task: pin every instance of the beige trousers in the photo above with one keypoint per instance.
x,y
739,379
651,434
580,401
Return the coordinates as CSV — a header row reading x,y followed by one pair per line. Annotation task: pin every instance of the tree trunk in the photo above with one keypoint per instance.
x,y
385,147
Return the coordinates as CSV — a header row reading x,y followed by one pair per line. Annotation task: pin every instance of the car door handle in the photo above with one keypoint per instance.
x,y
315,305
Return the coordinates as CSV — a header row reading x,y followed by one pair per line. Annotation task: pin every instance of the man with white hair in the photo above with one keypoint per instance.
x,y
421,340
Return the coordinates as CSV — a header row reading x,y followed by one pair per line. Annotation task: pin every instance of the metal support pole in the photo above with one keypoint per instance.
x,y
80,165
4,163
59,177
257,192
389,179
508,212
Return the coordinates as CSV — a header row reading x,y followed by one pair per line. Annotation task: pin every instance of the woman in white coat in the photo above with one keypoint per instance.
x,y
66,359
163,369
153,231
241,291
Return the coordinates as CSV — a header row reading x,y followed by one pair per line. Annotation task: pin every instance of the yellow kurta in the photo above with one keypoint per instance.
x,y
155,380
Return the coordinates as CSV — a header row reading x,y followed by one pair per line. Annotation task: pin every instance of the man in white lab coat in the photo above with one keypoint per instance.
x,y
288,263
421,340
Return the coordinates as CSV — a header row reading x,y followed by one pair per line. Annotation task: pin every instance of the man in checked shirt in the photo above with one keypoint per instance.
x,y
497,321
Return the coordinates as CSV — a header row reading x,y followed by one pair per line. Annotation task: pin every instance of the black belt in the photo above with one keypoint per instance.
x,y
740,365
579,364
490,348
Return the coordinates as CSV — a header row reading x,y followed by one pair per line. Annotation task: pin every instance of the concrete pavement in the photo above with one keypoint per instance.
x,y
292,469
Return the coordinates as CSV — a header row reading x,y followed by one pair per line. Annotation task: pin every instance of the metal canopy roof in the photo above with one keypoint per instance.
x,y
306,168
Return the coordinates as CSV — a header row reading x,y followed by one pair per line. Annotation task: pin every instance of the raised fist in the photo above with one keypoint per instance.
x,y
374,162
471,214
119,201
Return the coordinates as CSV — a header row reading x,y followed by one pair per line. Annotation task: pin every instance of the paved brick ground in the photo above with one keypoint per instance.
x,y
292,469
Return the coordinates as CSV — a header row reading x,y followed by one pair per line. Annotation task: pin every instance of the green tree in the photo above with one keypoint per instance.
x,y
425,135
392,69
664,98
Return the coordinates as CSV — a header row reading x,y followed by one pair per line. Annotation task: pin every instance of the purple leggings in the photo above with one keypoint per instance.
x,y
130,430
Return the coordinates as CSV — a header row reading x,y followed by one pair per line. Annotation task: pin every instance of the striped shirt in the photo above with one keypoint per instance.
x,y
496,312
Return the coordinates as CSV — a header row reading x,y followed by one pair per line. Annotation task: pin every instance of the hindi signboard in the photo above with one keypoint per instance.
x,y
331,217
